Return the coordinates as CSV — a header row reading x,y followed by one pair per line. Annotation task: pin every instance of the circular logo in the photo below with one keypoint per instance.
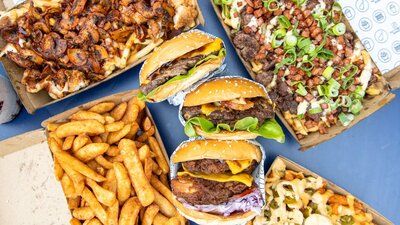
x,y
368,44
349,12
365,24
384,55
396,47
393,8
379,16
381,36
362,5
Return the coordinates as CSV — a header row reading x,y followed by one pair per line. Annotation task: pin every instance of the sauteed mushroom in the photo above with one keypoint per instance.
x,y
77,56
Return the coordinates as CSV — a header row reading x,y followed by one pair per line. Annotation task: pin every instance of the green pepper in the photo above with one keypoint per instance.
x,y
347,220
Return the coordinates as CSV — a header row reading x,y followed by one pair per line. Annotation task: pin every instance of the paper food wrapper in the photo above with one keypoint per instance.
x,y
258,172
377,24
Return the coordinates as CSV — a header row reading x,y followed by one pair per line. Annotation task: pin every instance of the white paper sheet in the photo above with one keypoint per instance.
x,y
377,24
29,192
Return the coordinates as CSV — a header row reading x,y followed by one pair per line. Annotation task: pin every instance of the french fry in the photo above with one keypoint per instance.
x,y
133,193
132,163
116,126
144,152
138,102
60,141
133,131
148,167
138,143
118,112
80,141
90,127
160,219
73,203
114,137
86,115
93,221
111,181
249,223
112,214
91,151
118,158
149,214
112,151
65,158
162,188
164,179
155,147
97,139
131,113
103,162
52,126
173,221
75,221
103,107
104,196
123,182
166,207
83,213
146,124
67,145
109,119
94,204
182,219
68,186
58,171
104,136
77,179
129,211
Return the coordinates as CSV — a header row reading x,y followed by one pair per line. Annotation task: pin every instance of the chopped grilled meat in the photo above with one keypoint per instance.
x,y
169,70
198,191
213,166
262,110
247,44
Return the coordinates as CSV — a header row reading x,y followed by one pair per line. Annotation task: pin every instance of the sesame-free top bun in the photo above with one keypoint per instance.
x,y
216,149
172,49
224,89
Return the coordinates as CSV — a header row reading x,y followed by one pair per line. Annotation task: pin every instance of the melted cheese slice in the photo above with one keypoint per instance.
x,y
206,109
237,166
206,49
242,178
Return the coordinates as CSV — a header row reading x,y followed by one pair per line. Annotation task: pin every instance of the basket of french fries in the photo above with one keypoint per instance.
x,y
111,163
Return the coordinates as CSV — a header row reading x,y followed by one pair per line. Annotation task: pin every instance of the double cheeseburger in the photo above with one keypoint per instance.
x,y
178,63
215,184
230,108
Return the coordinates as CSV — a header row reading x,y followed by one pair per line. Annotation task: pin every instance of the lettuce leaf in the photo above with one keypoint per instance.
x,y
143,97
269,129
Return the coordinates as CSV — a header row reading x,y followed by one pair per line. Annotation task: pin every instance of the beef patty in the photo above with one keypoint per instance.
x,y
169,70
261,110
213,166
198,191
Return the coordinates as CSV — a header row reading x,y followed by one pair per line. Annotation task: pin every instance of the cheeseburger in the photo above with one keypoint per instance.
x,y
178,63
230,108
215,183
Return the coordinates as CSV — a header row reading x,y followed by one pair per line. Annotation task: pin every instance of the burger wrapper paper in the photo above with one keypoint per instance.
x,y
258,172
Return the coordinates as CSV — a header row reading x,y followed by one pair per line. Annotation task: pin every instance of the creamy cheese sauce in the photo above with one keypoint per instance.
x,y
268,32
302,107
235,21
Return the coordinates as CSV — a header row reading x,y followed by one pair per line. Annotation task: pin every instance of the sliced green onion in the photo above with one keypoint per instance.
x,y
217,2
356,106
277,38
225,11
301,90
295,82
284,21
333,88
345,119
325,54
294,29
290,55
321,90
353,70
323,23
291,40
345,101
315,110
267,4
227,2
303,42
334,105
358,93
339,29
328,72
338,8
347,82
307,66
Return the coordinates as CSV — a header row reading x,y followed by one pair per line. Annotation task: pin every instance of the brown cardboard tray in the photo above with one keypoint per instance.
x,y
43,201
378,218
35,101
371,105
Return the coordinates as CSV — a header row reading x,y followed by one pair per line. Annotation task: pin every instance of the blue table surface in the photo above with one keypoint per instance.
x,y
363,160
